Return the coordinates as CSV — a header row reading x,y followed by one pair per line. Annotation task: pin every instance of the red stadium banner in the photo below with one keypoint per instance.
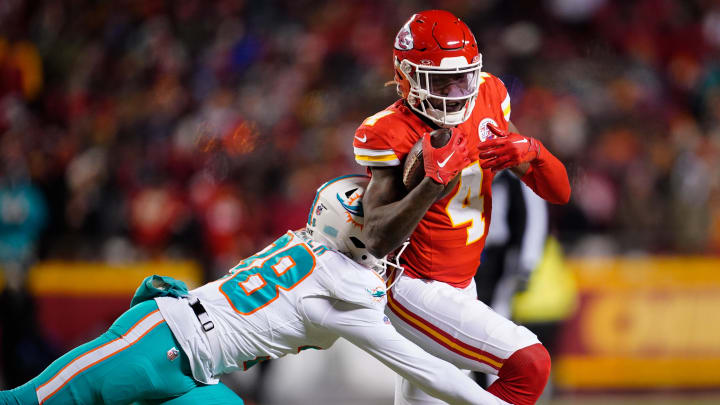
x,y
642,323
78,301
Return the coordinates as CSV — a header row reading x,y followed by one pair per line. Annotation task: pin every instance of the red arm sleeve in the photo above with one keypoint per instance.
x,y
548,178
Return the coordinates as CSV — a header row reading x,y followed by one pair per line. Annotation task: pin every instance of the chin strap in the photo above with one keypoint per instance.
x,y
395,264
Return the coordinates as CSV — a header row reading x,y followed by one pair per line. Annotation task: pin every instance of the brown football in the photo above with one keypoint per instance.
x,y
413,168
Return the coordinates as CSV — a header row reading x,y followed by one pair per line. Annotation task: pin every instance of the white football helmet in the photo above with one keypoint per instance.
x,y
336,220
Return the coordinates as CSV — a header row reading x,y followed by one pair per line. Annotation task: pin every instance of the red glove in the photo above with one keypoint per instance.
x,y
508,149
443,164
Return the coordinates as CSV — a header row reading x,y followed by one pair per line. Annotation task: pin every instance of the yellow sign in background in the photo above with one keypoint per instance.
x,y
94,278
643,323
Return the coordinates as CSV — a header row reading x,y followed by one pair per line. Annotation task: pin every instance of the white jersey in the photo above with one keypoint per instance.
x,y
256,309
297,294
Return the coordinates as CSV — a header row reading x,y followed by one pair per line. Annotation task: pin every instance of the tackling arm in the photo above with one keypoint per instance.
x,y
365,328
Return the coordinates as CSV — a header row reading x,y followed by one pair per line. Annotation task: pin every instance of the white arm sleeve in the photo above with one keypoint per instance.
x,y
366,328
536,229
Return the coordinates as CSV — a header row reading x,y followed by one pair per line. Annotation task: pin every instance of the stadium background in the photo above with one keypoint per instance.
x,y
175,137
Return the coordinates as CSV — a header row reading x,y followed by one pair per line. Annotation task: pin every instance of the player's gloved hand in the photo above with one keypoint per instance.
x,y
507,149
443,164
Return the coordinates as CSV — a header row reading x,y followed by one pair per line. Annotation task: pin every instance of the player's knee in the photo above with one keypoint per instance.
x,y
536,360
523,375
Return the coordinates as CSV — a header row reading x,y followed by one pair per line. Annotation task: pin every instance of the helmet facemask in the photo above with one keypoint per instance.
x,y
358,252
446,95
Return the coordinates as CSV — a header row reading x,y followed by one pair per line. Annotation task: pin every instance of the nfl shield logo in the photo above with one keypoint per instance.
x,y
483,130
173,354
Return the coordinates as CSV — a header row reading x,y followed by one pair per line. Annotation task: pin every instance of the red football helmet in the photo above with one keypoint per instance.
x,y
437,67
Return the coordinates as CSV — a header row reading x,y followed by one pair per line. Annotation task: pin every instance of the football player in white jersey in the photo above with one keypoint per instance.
x,y
305,290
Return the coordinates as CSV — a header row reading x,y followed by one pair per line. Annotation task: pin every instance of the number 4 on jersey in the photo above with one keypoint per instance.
x,y
466,205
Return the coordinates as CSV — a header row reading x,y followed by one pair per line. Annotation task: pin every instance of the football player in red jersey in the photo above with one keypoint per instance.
x,y
434,303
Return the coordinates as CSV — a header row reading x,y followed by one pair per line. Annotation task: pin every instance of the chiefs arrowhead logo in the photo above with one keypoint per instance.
x,y
404,38
483,130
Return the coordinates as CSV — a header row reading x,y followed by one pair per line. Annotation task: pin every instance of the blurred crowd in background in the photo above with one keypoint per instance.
x,y
142,129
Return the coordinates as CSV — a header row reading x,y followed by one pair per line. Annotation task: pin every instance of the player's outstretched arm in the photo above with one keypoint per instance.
x,y
365,328
529,159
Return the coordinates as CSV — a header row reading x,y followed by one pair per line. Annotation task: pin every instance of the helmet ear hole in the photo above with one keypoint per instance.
x,y
403,84
357,242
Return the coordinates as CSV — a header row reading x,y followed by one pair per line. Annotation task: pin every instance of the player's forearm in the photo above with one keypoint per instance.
x,y
548,178
436,377
441,379
388,226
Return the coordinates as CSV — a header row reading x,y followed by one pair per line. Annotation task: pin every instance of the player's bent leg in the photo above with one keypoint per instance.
x,y
523,376
127,363
452,324
60,388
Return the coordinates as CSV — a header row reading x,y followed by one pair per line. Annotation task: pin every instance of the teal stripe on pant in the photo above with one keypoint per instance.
x,y
108,371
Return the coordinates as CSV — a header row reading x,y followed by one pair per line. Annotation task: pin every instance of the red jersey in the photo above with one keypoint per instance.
x,y
448,241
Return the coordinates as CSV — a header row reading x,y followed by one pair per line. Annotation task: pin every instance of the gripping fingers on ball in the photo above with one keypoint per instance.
x,y
488,153
491,145
497,163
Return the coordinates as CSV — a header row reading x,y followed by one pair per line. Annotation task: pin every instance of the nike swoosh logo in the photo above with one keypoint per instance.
x,y
363,139
523,141
444,162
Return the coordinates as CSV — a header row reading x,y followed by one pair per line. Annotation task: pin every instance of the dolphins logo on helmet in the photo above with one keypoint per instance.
x,y
350,200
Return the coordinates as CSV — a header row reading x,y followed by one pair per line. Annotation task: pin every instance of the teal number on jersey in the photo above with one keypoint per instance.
x,y
257,280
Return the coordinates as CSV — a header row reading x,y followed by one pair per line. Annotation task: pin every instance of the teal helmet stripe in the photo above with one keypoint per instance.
x,y
321,188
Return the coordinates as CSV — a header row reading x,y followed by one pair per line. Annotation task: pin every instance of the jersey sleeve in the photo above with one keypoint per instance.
x,y
502,94
495,98
371,148
351,282
371,331
505,105
384,139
